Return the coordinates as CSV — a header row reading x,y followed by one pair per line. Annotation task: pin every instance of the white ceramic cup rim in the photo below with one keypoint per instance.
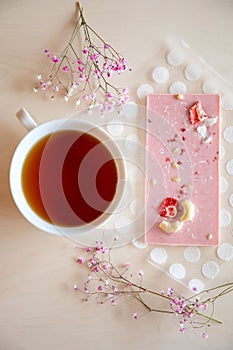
x,y
25,145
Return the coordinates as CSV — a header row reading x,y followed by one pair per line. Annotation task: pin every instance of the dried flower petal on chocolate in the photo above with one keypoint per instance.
x,y
168,207
197,113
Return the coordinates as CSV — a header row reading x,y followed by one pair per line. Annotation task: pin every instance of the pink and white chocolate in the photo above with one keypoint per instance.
x,y
182,167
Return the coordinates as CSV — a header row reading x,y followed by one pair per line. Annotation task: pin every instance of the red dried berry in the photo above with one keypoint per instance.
x,y
168,207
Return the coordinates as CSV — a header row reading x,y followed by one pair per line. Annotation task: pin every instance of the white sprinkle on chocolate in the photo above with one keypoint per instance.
x,y
153,182
209,236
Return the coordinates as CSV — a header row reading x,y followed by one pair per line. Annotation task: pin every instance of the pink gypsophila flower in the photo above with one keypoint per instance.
x,y
80,260
55,59
135,316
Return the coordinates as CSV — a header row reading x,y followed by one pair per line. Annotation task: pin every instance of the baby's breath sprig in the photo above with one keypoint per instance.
x,y
82,72
108,283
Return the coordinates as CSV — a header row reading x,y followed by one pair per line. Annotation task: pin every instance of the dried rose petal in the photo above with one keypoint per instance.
x,y
168,207
196,113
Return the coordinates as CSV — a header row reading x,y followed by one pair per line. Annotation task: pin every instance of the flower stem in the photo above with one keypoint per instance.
x,y
209,317
143,289
79,9
139,298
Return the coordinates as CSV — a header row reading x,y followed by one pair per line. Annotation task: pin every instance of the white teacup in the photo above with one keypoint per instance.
x,y
35,134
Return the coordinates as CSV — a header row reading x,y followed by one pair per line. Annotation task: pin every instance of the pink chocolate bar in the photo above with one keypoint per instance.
x,y
182,167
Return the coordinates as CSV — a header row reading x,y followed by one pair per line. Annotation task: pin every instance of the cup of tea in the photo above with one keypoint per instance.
x,y
66,175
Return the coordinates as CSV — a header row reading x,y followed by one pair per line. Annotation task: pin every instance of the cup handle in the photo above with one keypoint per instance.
x,y
26,119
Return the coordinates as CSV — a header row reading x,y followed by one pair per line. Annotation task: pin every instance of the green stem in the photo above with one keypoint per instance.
x,y
140,299
209,317
78,7
99,37
127,282
230,284
73,35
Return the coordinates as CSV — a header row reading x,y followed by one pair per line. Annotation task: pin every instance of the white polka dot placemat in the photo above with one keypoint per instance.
x,y
179,70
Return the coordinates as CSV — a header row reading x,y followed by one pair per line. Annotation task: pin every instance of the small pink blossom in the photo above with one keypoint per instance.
x,y
97,73
92,95
105,266
85,97
205,306
182,329
109,95
55,88
43,85
127,265
55,59
81,69
204,335
170,292
82,76
125,99
125,91
47,52
105,66
80,260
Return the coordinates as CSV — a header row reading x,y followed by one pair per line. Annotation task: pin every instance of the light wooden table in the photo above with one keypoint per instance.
x,y
38,307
